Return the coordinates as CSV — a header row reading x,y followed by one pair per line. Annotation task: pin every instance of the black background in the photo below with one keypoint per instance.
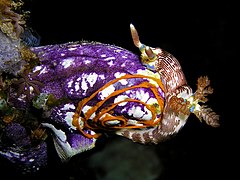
x,y
202,36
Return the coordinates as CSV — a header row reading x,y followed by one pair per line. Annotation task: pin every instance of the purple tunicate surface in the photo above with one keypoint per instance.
x,y
77,70
63,64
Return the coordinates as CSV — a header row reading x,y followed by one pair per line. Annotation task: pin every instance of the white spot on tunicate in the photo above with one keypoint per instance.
x,y
123,81
42,69
106,92
71,91
101,76
123,65
141,95
110,63
77,86
15,153
31,160
7,154
68,107
59,113
37,68
87,61
147,115
92,133
118,50
124,56
92,78
68,119
121,98
72,49
86,108
21,97
152,101
84,85
62,54
67,62
103,55
109,58
136,112
31,89
119,75
70,83
128,92
123,110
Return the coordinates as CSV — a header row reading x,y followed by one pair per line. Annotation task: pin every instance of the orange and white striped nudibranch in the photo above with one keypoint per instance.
x,y
180,101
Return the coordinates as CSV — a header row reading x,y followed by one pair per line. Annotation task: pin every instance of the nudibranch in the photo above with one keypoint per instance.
x,y
153,108
101,88
179,100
